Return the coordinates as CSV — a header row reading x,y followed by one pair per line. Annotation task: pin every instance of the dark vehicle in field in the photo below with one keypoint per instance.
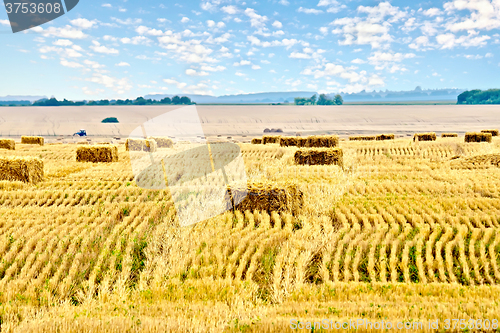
x,y
82,132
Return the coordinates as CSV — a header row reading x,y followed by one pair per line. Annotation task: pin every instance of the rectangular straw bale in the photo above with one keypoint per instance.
x,y
256,141
163,142
381,137
322,141
362,138
7,144
319,156
95,154
301,142
425,136
477,137
493,132
32,140
267,196
148,145
449,135
270,139
287,141
25,169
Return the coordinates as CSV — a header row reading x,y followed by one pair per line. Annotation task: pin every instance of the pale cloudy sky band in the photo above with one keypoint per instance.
x,y
124,49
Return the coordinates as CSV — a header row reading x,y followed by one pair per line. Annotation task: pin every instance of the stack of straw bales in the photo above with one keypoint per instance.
x,y
322,141
267,196
425,136
493,132
270,139
25,169
477,137
449,135
7,144
256,141
362,138
32,140
333,156
163,142
287,141
95,154
148,145
381,137
301,142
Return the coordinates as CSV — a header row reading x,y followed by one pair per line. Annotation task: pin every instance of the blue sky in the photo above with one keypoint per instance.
x,y
125,49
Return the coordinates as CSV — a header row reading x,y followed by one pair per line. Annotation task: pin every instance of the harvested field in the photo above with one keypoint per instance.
x,y
23,169
7,144
478,137
477,162
148,145
32,140
319,156
162,142
96,154
449,135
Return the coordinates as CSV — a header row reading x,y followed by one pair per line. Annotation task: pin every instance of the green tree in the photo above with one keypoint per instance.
x,y
337,100
185,100
313,99
166,100
176,100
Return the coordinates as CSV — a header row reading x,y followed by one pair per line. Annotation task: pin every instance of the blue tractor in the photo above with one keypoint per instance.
x,y
82,132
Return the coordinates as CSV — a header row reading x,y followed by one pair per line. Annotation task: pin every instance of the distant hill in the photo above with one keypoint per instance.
x,y
279,97
10,98
268,97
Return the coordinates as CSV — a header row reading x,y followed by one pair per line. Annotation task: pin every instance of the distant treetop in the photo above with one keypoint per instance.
x,y
490,96
176,100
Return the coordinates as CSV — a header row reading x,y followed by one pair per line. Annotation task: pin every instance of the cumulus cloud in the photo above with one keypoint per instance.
x,y
192,72
485,15
309,10
83,23
185,19
70,64
450,41
231,10
256,20
97,47
277,24
123,64
432,12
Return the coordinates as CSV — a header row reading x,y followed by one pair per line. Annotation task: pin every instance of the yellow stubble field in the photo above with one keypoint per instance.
x,y
404,232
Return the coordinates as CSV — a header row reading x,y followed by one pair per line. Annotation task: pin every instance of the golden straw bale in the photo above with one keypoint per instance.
x,y
24,169
322,141
381,137
425,136
256,141
32,140
270,139
148,145
449,135
95,154
286,141
266,196
362,138
493,132
7,144
163,142
477,137
319,156
301,142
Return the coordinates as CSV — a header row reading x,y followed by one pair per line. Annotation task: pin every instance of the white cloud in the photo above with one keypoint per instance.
x,y
123,64
323,30
83,23
70,64
242,63
143,30
107,5
118,85
67,31
358,61
97,47
277,24
256,20
432,12
63,42
231,10
213,68
484,15
420,43
192,72
284,2
129,21
255,67
239,74
309,10
211,23
488,55
449,40
185,19
298,55
136,40
4,22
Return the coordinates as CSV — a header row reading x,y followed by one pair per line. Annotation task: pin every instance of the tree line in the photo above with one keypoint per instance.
x,y
477,96
176,100
321,100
